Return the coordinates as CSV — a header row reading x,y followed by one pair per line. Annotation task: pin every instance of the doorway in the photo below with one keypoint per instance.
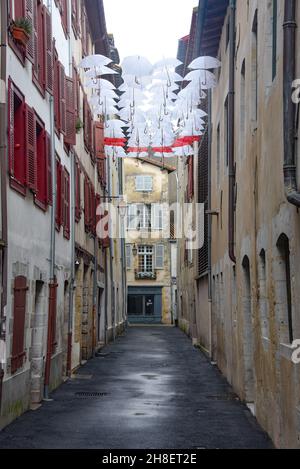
x,y
145,305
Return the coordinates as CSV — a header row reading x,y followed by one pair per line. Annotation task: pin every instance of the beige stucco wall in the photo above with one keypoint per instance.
x,y
262,215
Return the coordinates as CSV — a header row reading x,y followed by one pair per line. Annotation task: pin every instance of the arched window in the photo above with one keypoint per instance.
x,y
284,305
262,295
248,331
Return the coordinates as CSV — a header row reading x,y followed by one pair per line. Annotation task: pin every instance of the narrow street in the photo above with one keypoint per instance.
x,y
150,389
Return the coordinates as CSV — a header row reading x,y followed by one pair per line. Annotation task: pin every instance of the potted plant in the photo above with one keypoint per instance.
x,y
79,125
21,30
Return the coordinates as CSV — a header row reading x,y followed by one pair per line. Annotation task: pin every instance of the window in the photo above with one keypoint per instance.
x,y
99,152
128,256
263,301
19,9
88,126
226,130
77,191
62,5
89,207
75,17
145,254
19,311
66,203
139,217
159,256
143,183
157,216
284,304
58,217
17,138
70,109
39,64
242,110
60,116
254,70
218,155
190,185
44,176
274,39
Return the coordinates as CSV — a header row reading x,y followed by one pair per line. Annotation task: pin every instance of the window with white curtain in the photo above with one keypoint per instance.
x,y
139,217
157,216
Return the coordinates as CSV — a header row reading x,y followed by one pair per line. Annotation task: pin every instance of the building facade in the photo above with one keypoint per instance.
x,y
57,308
248,316
148,241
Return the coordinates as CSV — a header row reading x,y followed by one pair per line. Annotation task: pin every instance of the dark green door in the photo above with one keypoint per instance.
x,y
144,305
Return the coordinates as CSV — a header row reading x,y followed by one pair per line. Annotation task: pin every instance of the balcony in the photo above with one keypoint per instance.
x,y
145,275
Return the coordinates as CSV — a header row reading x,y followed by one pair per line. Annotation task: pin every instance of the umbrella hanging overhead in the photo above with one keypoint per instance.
x,y
205,63
136,65
96,60
168,62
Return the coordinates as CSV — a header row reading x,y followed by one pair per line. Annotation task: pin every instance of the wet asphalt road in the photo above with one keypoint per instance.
x,y
150,389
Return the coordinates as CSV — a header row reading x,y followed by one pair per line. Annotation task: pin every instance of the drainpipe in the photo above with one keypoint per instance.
x,y
72,279
289,107
209,230
231,122
105,296
52,282
3,164
111,251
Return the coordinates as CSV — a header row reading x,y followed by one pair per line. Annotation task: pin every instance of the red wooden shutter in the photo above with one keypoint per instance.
x,y
58,193
49,50
99,140
62,197
75,16
67,205
85,121
64,15
77,192
31,157
105,239
83,29
11,129
190,188
56,93
62,96
18,352
86,204
29,12
49,169
70,136
91,136
76,91
98,218
36,45
93,210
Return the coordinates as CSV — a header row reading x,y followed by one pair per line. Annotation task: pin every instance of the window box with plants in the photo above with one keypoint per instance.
x,y
21,30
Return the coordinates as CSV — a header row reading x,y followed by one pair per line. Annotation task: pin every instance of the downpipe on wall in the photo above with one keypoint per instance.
x,y
52,282
72,278
209,231
289,107
231,131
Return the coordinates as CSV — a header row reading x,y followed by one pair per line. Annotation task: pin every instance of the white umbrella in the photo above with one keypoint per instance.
x,y
167,75
105,84
205,63
205,78
167,62
136,65
95,60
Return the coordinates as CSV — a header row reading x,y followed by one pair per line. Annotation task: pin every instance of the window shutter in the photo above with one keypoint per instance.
x,y
76,91
31,159
99,140
49,50
91,136
70,136
85,121
77,192
190,188
128,256
58,217
159,256
67,205
29,14
35,63
18,353
86,204
64,15
11,129
56,93
105,239
62,97
62,197
97,210
49,169
93,210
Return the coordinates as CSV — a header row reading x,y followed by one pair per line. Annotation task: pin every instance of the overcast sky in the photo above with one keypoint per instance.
x,y
148,27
